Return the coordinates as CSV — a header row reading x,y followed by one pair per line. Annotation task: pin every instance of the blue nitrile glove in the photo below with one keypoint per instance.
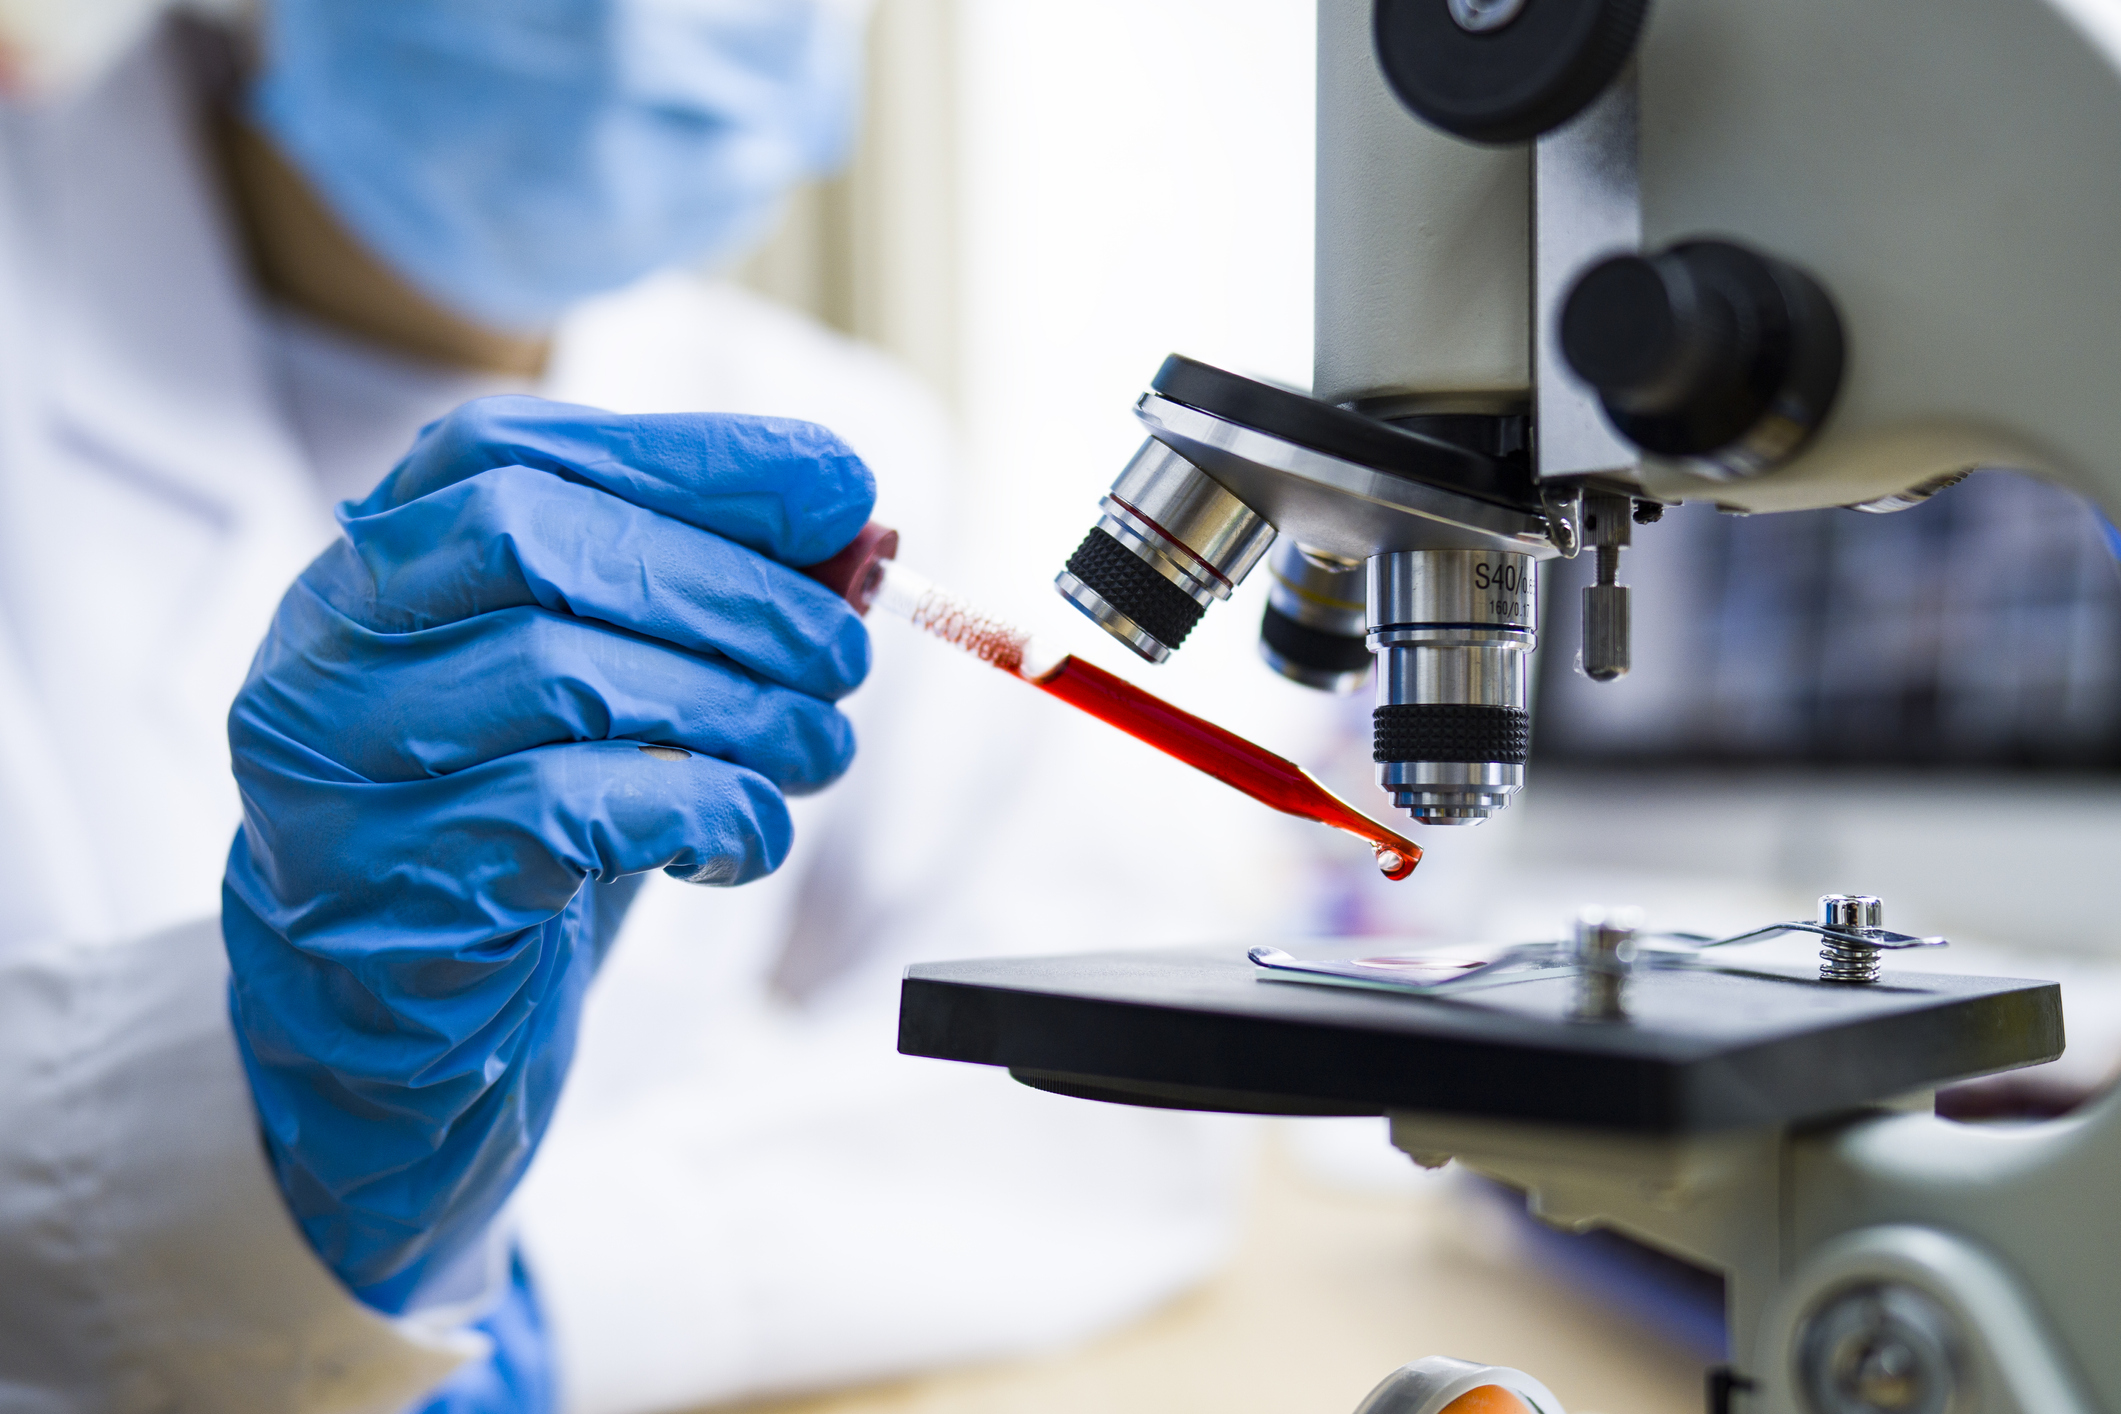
x,y
445,791
517,1376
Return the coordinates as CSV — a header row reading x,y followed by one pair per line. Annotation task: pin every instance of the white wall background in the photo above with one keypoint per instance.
x,y
1135,179
1046,201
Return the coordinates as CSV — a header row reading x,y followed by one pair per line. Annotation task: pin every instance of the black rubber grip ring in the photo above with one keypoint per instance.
x,y
1125,581
1452,731
1312,648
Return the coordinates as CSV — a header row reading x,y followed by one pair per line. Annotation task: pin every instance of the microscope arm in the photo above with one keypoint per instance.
x,y
1943,168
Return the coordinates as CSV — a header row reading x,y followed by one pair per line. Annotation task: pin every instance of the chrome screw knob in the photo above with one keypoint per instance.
x,y
1484,16
1842,960
1605,955
1881,1349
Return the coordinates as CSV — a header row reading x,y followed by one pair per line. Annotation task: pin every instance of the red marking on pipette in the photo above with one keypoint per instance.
x,y
989,639
1238,763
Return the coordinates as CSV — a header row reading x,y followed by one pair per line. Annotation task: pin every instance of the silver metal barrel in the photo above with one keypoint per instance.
x,y
1169,540
1454,631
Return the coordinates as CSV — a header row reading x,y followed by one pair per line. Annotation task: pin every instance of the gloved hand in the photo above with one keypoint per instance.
x,y
447,800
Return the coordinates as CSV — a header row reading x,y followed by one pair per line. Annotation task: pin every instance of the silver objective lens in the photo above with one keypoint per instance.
x,y
1313,629
1169,540
1454,632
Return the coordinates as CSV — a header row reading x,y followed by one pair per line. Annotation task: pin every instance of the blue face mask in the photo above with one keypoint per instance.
x,y
512,156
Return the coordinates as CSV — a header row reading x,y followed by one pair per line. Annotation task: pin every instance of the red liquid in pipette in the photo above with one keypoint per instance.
x,y
1240,764
1243,765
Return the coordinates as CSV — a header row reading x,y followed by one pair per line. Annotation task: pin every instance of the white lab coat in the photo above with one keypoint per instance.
x,y
745,1190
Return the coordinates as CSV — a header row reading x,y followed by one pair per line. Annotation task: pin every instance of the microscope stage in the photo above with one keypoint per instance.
x,y
1704,1048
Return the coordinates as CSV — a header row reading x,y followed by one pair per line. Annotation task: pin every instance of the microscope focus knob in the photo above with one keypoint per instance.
x,y
1502,71
1708,353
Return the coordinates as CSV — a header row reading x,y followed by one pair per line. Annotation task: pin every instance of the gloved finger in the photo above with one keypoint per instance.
x,y
398,707
790,490
512,538
430,947
419,887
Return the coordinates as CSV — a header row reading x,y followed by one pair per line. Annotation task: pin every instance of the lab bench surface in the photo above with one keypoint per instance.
x,y
1328,1292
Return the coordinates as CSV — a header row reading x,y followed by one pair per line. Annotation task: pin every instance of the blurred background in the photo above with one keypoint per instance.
x,y
1923,705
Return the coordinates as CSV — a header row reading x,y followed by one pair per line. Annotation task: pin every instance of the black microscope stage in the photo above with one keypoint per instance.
x,y
1704,1048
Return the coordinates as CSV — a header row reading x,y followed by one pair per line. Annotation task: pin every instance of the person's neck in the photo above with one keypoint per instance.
x,y
301,253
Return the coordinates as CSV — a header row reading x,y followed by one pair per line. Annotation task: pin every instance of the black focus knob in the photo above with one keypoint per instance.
x,y
1708,352
1502,71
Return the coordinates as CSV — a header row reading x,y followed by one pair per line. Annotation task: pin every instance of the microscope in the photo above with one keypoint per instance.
x,y
1578,261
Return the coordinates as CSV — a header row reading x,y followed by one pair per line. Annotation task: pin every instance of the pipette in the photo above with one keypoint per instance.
x,y
867,575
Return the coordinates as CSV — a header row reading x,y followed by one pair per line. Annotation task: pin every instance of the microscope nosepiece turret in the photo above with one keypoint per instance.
x,y
1411,542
